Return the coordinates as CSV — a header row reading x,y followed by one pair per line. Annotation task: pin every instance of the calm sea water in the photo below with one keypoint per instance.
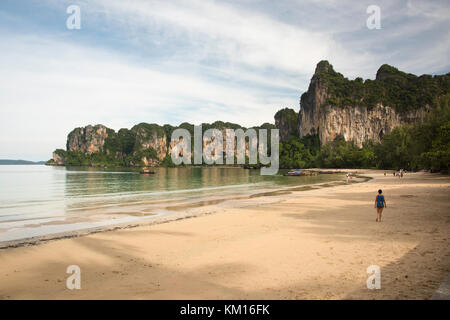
x,y
39,200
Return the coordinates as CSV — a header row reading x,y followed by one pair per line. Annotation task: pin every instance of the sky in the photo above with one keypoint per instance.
x,y
175,61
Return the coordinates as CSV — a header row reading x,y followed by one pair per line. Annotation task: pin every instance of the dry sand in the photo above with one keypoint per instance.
x,y
314,244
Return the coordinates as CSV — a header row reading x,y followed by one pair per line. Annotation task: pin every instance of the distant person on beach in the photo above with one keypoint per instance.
x,y
380,204
348,176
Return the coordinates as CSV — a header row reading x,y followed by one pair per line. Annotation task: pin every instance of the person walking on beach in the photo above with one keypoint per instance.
x,y
380,204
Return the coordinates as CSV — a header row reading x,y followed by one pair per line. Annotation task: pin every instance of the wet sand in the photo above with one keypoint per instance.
x,y
310,243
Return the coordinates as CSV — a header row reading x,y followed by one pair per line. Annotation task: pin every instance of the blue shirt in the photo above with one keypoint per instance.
x,y
380,201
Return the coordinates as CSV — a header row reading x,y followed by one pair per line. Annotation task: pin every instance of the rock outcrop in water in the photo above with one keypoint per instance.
x,y
144,144
364,111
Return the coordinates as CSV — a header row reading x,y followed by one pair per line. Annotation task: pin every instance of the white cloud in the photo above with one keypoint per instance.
x,y
60,86
438,11
197,61
214,29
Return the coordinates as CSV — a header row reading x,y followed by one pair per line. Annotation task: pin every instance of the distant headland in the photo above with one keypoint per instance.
x,y
19,162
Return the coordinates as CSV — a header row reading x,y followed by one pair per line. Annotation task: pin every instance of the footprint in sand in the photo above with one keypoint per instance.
x,y
426,252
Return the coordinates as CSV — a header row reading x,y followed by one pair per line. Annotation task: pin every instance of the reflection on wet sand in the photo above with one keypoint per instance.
x,y
203,203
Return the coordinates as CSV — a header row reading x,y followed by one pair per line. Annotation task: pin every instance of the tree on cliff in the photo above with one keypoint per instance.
x,y
286,121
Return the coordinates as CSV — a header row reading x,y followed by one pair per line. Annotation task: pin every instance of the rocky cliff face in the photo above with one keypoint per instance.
x,y
143,145
329,111
358,123
58,160
147,138
87,140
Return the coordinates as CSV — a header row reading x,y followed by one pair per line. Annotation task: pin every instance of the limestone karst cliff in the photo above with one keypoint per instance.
x,y
89,139
365,110
143,145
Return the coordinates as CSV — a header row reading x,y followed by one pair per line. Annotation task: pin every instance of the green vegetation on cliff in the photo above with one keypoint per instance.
x,y
399,90
287,121
411,146
129,147
100,159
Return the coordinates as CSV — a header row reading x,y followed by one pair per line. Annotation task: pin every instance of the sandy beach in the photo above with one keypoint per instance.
x,y
309,244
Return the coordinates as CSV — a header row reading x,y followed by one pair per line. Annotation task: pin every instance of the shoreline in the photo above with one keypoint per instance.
x,y
314,244
166,218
